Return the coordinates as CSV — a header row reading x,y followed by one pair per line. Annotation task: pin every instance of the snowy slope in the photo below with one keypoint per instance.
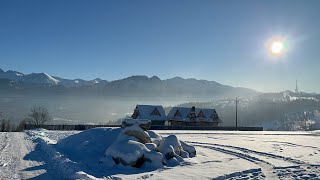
x,y
45,79
220,155
134,85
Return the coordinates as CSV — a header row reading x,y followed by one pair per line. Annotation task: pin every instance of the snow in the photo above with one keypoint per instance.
x,y
143,123
136,132
135,121
170,142
55,81
128,150
187,147
146,110
155,138
43,154
133,148
86,147
185,111
151,146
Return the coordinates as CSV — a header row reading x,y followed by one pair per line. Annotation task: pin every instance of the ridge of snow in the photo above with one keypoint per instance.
x,y
51,78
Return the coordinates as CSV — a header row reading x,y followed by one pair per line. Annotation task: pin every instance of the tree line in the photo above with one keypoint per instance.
x,y
37,117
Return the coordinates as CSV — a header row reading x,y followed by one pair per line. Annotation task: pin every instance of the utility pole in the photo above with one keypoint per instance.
x,y
305,120
237,113
236,101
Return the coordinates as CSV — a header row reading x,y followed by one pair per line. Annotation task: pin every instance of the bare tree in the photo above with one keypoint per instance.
x,y
21,125
2,122
39,116
5,125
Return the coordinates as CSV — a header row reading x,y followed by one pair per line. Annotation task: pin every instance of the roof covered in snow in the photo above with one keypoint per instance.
x,y
181,114
151,112
183,111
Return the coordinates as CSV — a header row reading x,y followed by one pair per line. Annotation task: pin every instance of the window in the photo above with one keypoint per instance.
x,y
201,114
155,112
214,116
177,114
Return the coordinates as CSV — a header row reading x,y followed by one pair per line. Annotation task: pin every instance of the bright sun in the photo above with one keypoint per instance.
x,y
276,47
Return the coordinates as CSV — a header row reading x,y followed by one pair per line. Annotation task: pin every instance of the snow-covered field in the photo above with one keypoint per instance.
x,y
220,155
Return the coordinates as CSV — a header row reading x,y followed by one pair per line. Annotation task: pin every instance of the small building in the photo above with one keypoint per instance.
x,y
155,114
183,116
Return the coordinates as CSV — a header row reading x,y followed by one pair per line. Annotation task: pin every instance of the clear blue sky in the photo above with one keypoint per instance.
x,y
215,40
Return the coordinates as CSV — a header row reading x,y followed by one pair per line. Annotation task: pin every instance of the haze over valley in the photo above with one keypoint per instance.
x,y
77,101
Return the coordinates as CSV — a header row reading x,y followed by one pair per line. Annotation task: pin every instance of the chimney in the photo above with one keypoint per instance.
x,y
193,109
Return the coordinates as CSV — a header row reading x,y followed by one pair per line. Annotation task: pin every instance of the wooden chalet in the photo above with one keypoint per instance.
x,y
155,114
183,116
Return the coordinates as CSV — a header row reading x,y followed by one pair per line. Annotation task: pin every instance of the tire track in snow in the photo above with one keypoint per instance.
x,y
294,145
266,167
245,150
246,174
301,170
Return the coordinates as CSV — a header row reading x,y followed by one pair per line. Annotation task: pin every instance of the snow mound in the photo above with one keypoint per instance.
x,y
151,146
134,147
137,132
127,152
168,142
155,138
88,146
190,149
129,147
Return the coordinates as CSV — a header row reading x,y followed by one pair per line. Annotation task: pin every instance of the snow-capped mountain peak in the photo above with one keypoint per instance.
x,y
51,78
44,79
40,78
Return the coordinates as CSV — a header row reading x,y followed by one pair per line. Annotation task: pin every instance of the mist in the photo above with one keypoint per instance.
x,y
76,109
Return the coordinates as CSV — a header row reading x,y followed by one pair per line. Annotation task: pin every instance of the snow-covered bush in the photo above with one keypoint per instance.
x,y
138,148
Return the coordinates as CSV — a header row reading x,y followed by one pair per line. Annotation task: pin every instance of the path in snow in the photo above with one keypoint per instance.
x,y
13,165
268,170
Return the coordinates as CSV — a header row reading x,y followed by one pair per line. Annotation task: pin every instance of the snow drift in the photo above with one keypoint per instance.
x,y
130,146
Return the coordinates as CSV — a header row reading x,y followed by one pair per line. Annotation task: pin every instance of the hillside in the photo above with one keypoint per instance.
x,y
14,82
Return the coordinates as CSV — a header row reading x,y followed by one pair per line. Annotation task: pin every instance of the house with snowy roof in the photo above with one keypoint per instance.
x,y
155,114
182,116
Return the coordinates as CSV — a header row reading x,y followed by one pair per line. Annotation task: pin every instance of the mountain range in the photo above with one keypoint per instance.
x,y
18,82
78,101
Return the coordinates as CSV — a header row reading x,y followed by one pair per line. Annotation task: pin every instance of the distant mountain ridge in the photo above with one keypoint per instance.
x,y
44,79
138,85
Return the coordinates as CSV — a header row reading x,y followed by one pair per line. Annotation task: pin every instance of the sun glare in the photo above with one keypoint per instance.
x,y
276,47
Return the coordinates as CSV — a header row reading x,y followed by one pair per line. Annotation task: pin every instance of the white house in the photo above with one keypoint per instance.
x,y
155,114
179,116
